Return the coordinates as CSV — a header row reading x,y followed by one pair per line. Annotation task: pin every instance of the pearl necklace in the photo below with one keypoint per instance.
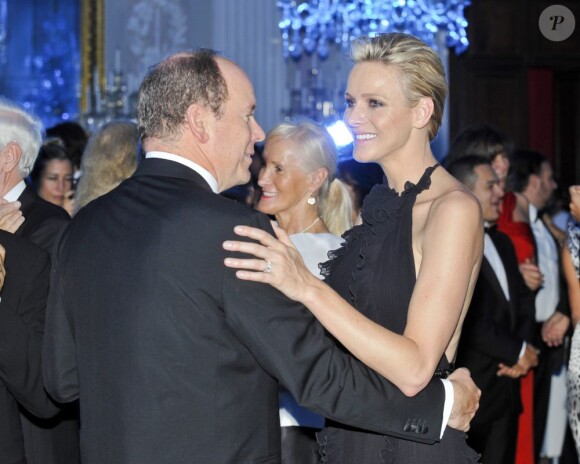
x,y
310,226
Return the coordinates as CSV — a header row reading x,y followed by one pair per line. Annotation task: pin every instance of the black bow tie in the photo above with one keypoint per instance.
x,y
492,228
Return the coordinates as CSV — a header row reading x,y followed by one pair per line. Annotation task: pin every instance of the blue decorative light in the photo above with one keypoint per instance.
x,y
55,67
340,134
310,26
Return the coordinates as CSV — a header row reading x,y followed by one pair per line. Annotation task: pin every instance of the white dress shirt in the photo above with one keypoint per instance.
x,y
186,162
494,260
549,294
314,249
15,192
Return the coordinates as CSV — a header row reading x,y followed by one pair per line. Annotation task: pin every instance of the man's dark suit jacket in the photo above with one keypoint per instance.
x,y
54,440
174,359
22,306
42,220
494,331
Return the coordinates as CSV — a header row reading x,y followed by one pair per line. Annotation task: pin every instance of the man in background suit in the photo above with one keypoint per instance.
x,y
55,440
22,305
494,342
174,359
20,140
533,177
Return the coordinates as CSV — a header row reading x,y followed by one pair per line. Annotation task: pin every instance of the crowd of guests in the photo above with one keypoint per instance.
x,y
432,269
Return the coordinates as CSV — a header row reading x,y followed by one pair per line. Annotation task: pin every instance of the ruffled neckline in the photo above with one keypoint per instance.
x,y
383,203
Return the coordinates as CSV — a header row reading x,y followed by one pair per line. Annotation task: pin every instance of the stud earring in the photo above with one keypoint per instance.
x,y
311,200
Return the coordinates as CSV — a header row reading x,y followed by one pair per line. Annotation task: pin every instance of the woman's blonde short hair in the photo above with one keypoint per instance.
x,y
421,68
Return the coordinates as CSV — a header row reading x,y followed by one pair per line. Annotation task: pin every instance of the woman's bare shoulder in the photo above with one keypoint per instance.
x,y
453,198
455,218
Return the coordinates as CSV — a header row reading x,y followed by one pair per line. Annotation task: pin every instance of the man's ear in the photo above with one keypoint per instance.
x,y
534,182
316,178
423,112
197,118
10,157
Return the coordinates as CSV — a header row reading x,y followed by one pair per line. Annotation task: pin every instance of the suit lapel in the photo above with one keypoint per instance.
x,y
26,200
512,279
489,274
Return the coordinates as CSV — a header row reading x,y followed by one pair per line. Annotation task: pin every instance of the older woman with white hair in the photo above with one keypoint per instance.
x,y
300,188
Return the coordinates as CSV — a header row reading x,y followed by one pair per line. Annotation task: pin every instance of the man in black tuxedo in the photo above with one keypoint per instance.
x,y
494,342
22,306
174,359
55,440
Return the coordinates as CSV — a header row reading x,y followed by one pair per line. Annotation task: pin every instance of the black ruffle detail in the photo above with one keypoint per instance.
x,y
350,237
382,204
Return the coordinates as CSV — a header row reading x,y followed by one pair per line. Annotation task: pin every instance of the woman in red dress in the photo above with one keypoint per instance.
x,y
514,222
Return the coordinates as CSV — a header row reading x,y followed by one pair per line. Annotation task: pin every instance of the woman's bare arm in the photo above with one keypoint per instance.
x,y
452,247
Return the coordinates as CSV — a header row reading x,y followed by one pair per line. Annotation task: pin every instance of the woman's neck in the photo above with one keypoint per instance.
x,y
302,222
521,212
402,169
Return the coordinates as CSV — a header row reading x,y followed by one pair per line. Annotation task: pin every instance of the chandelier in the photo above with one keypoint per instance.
x,y
312,26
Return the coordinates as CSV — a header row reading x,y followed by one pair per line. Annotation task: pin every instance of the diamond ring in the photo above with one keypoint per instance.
x,y
268,267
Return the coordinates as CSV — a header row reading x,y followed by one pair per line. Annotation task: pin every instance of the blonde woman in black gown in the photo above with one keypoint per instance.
x,y
396,293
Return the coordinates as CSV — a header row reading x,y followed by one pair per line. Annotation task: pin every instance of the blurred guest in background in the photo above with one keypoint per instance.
x,y
46,441
533,178
52,176
300,188
486,141
495,341
23,295
20,141
571,267
73,137
496,148
109,158
556,214
359,179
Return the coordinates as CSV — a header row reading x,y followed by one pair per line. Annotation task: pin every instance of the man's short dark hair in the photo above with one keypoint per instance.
x,y
173,85
463,169
482,140
525,163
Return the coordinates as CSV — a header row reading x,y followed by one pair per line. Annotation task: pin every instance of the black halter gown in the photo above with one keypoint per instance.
x,y
375,272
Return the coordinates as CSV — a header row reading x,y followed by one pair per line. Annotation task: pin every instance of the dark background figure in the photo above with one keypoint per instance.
x,y
22,306
359,179
532,176
110,157
55,440
74,138
498,326
496,147
52,175
486,141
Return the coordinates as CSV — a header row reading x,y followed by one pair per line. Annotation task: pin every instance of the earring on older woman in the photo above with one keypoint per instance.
x,y
311,200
